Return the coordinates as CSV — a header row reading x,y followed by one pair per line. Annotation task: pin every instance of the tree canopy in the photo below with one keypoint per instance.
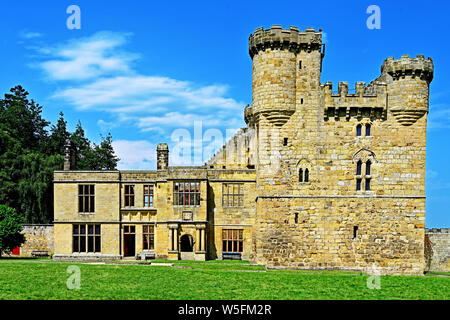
x,y
31,148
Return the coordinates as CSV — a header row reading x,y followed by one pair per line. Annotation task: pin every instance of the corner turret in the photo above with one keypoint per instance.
x,y
408,87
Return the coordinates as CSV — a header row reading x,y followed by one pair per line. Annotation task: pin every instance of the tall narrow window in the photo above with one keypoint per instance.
x,y
86,198
367,130
148,195
367,188
358,130
368,164
300,175
285,142
129,196
306,175
355,232
358,168
358,184
300,65
148,232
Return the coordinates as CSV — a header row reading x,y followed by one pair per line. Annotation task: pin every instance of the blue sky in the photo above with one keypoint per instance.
x,y
143,69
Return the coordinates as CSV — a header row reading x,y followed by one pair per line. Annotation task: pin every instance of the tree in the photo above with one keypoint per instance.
x,y
58,136
105,158
10,229
82,147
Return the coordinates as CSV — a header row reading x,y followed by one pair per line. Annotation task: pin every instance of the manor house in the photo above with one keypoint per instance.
x,y
318,179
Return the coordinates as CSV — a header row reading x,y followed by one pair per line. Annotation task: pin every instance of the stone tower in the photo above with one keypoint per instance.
x,y
340,176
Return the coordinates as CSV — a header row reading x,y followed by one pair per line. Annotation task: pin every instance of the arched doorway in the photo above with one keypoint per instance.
x,y
186,243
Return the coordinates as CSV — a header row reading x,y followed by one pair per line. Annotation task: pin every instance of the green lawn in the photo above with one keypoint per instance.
x,y
44,279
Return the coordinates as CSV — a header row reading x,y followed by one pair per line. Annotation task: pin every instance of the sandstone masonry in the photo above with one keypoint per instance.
x,y
317,180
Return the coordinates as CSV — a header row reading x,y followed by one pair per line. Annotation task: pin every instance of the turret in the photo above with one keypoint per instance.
x,y
286,68
408,87
162,156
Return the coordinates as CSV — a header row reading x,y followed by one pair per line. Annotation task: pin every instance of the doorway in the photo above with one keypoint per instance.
x,y
186,243
186,247
129,241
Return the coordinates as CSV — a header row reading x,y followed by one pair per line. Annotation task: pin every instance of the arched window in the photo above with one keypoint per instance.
x,y
367,130
368,164
300,175
358,130
306,175
358,168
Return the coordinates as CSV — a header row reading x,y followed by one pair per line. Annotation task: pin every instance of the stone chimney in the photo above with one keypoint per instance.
x,y
162,156
69,156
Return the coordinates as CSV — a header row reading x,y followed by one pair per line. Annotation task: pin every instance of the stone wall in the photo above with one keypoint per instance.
x,y
439,255
38,237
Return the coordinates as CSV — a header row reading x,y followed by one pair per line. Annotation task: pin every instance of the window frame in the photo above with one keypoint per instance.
x,y
129,195
236,241
148,237
186,197
86,239
86,198
148,195
237,198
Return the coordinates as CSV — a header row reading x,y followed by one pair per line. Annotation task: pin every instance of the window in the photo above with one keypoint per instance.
x,y
358,168
368,163
367,184
129,196
300,65
360,177
358,184
358,130
303,175
186,193
232,195
232,240
86,238
355,232
285,142
148,195
148,233
86,198
367,130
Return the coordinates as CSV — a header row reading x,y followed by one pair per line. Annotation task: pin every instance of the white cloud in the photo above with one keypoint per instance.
x,y
135,155
94,74
87,58
30,35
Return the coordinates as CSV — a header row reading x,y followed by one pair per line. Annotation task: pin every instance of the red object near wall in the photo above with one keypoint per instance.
x,y
16,251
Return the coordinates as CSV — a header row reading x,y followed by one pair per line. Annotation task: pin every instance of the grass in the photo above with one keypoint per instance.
x,y
213,280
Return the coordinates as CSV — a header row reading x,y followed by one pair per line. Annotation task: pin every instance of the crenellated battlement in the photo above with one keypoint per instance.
x,y
406,66
290,39
367,100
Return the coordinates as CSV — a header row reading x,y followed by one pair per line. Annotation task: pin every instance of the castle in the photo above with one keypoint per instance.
x,y
317,179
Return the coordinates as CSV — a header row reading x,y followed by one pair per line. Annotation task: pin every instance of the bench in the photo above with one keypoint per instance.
x,y
145,255
231,256
36,254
